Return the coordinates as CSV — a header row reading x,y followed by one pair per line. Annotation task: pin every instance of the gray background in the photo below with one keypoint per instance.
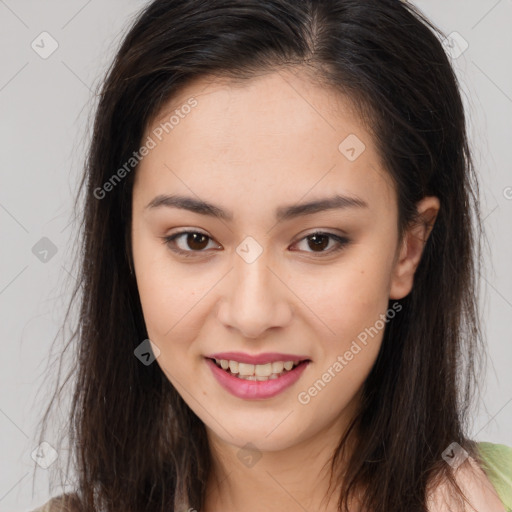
x,y
45,106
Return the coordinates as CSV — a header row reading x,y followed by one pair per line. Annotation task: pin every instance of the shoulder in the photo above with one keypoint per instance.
x,y
486,481
62,503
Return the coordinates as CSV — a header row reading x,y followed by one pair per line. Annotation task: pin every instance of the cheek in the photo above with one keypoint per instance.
x,y
348,296
171,308
171,302
352,303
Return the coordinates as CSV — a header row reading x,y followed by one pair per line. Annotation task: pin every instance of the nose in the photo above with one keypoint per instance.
x,y
255,299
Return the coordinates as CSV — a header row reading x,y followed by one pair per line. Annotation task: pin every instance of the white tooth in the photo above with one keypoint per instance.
x,y
233,366
274,376
263,370
247,377
288,365
224,364
277,367
245,369
260,377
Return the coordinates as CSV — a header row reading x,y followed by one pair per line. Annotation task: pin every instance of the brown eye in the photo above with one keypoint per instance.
x,y
196,241
317,242
189,242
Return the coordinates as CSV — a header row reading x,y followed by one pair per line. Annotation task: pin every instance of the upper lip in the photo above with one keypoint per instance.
x,y
267,357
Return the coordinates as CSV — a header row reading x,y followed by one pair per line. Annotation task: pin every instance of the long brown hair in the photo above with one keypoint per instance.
x,y
135,445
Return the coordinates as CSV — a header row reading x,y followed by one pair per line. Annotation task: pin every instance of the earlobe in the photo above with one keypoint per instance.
x,y
412,246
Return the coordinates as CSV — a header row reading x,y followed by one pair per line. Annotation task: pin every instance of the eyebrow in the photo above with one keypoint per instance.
x,y
282,213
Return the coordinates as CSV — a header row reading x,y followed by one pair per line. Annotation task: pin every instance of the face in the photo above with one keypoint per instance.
x,y
255,276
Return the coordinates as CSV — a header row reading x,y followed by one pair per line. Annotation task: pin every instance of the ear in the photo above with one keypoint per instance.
x,y
411,248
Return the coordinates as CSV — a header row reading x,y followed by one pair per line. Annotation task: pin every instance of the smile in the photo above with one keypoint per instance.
x,y
256,381
259,372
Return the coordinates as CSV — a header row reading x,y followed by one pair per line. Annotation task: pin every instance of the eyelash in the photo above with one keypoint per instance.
x,y
169,241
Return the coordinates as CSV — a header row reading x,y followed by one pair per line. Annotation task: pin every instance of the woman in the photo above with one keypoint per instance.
x,y
278,268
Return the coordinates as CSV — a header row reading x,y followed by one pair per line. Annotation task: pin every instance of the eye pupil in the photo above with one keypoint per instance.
x,y
319,244
192,239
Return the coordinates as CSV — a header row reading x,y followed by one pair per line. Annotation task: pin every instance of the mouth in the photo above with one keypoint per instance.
x,y
258,372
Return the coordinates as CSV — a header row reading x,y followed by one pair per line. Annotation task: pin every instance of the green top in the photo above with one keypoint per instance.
x,y
497,464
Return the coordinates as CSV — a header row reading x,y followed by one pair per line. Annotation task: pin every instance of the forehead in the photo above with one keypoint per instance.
x,y
278,133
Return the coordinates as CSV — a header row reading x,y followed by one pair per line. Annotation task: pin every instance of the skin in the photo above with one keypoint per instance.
x,y
250,149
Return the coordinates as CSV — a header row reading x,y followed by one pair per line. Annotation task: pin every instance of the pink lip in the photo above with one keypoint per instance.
x,y
253,389
268,357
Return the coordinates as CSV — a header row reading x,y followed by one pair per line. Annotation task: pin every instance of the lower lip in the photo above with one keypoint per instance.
x,y
254,389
